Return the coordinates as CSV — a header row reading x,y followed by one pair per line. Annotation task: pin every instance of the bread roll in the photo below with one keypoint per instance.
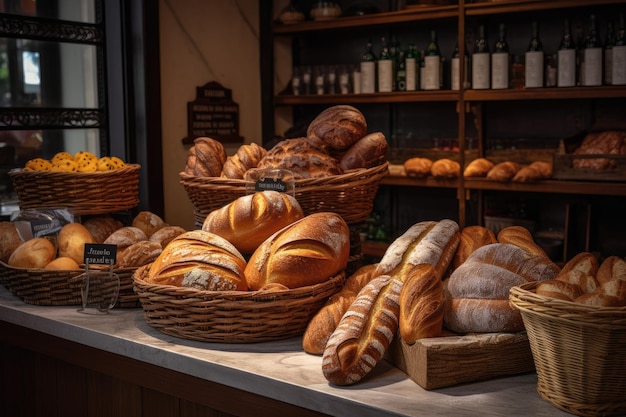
x,y
471,238
615,288
125,236
521,236
148,222
597,299
307,252
478,167
367,152
527,174
247,221
72,239
584,262
35,253
561,290
504,171
338,126
62,263
418,167
611,268
587,283
246,157
364,332
205,158
9,240
165,235
446,168
325,321
302,158
102,227
200,260
138,254
421,305
544,168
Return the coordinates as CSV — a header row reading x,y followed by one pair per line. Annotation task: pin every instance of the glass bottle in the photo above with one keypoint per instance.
x,y
480,61
410,63
296,79
566,59
385,69
320,80
306,79
344,80
500,61
432,64
619,54
455,69
401,73
421,68
368,70
534,60
394,54
608,53
592,56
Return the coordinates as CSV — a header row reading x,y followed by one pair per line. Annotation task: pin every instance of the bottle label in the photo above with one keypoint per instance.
x,y
431,72
480,71
500,70
566,68
455,74
411,75
534,69
368,77
344,83
593,66
385,76
619,65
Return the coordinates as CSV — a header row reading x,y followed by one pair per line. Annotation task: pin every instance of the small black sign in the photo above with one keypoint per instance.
x,y
213,114
100,254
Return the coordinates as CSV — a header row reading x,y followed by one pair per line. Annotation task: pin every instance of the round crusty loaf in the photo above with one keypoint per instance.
x,y
247,221
125,236
302,158
246,157
9,240
446,168
475,315
62,263
102,226
35,253
72,239
200,260
148,222
418,167
367,152
338,126
165,235
138,254
307,252
205,158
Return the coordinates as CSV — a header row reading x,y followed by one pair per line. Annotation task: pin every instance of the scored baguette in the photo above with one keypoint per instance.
x,y
421,305
364,332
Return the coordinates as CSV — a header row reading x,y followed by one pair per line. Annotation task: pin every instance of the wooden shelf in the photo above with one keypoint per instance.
x,y
550,186
403,180
397,97
515,6
562,93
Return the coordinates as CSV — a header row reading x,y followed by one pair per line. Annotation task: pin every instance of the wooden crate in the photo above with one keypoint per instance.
x,y
451,360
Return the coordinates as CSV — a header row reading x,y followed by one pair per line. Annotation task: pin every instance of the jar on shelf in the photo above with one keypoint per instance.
x,y
325,10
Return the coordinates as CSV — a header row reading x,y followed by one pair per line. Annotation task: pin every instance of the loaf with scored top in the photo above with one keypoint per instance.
x,y
367,152
339,127
421,305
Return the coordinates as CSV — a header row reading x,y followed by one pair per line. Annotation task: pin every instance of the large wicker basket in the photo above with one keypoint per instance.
x,y
97,192
579,352
231,316
59,288
351,195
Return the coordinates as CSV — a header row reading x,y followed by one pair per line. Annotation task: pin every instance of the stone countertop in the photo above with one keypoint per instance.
x,y
280,370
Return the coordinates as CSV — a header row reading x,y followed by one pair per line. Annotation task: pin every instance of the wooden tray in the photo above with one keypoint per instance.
x,y
451,360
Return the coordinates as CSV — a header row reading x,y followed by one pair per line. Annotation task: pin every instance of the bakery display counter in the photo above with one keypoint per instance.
x,y
277,376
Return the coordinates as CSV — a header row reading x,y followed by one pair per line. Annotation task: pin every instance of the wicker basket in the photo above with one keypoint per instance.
x,y
351,195
97,192
579,352
57,288
231,316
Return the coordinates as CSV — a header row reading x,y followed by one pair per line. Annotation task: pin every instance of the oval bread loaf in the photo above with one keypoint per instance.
x,y
62,263
9,240
338,126
72,239
102,227
367,152
421,304
246,157
35,253
165,235
148,222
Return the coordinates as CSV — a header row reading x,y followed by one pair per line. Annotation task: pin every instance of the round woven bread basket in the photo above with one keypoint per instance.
x,y
97,192
46,287
351,194
579,352
231,316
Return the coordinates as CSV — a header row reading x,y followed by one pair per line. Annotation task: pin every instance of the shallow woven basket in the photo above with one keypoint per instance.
x,y
57,288
231,316
83,192
351,195
579,352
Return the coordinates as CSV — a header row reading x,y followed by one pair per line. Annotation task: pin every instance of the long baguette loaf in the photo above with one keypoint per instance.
x,y
325,321
421,304
364,332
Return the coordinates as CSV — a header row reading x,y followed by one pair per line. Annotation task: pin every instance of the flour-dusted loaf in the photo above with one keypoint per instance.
x,y
307,252
200,260
148,222
367,152
325,321
421,304
125,236
364,333
248,220
102,226
246,157
338,126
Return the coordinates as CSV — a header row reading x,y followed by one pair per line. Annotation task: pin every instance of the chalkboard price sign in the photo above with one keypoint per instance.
x,y
213,114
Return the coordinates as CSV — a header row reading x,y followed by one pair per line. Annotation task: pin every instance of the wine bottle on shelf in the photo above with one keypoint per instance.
x,y
410,62
385,69
306,79
421,68
296,79
394,54
344,80
331,80
401,73
608,53
534,60
480,61
619,54
368,70
500,61
566,59
319,80
455,69
432,64
592,56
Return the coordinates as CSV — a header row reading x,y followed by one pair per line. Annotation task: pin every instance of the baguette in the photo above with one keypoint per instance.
x,y
421,305
364,332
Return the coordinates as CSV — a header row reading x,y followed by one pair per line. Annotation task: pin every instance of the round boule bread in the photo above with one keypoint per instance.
x,y
72,239
35,253
148,222
307,252
200,260
102,227
9,240
338,126
125,236
247,221
367,152
165,235
138,254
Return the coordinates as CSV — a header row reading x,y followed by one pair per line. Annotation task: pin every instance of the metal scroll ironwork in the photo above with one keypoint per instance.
x,y
45,118
49,30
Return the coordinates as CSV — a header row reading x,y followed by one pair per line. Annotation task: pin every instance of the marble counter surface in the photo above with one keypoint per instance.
x,y
280,369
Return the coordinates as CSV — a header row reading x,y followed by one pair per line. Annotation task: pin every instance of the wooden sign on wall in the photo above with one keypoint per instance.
x,y
213,114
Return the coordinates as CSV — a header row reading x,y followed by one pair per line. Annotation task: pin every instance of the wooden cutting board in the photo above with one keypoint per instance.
x,y
454,359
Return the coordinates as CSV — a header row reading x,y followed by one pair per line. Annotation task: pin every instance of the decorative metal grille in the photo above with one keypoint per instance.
x,y
49,30
44,118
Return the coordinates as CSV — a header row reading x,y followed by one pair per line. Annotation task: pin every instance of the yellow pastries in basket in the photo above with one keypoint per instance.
x,y
82,161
